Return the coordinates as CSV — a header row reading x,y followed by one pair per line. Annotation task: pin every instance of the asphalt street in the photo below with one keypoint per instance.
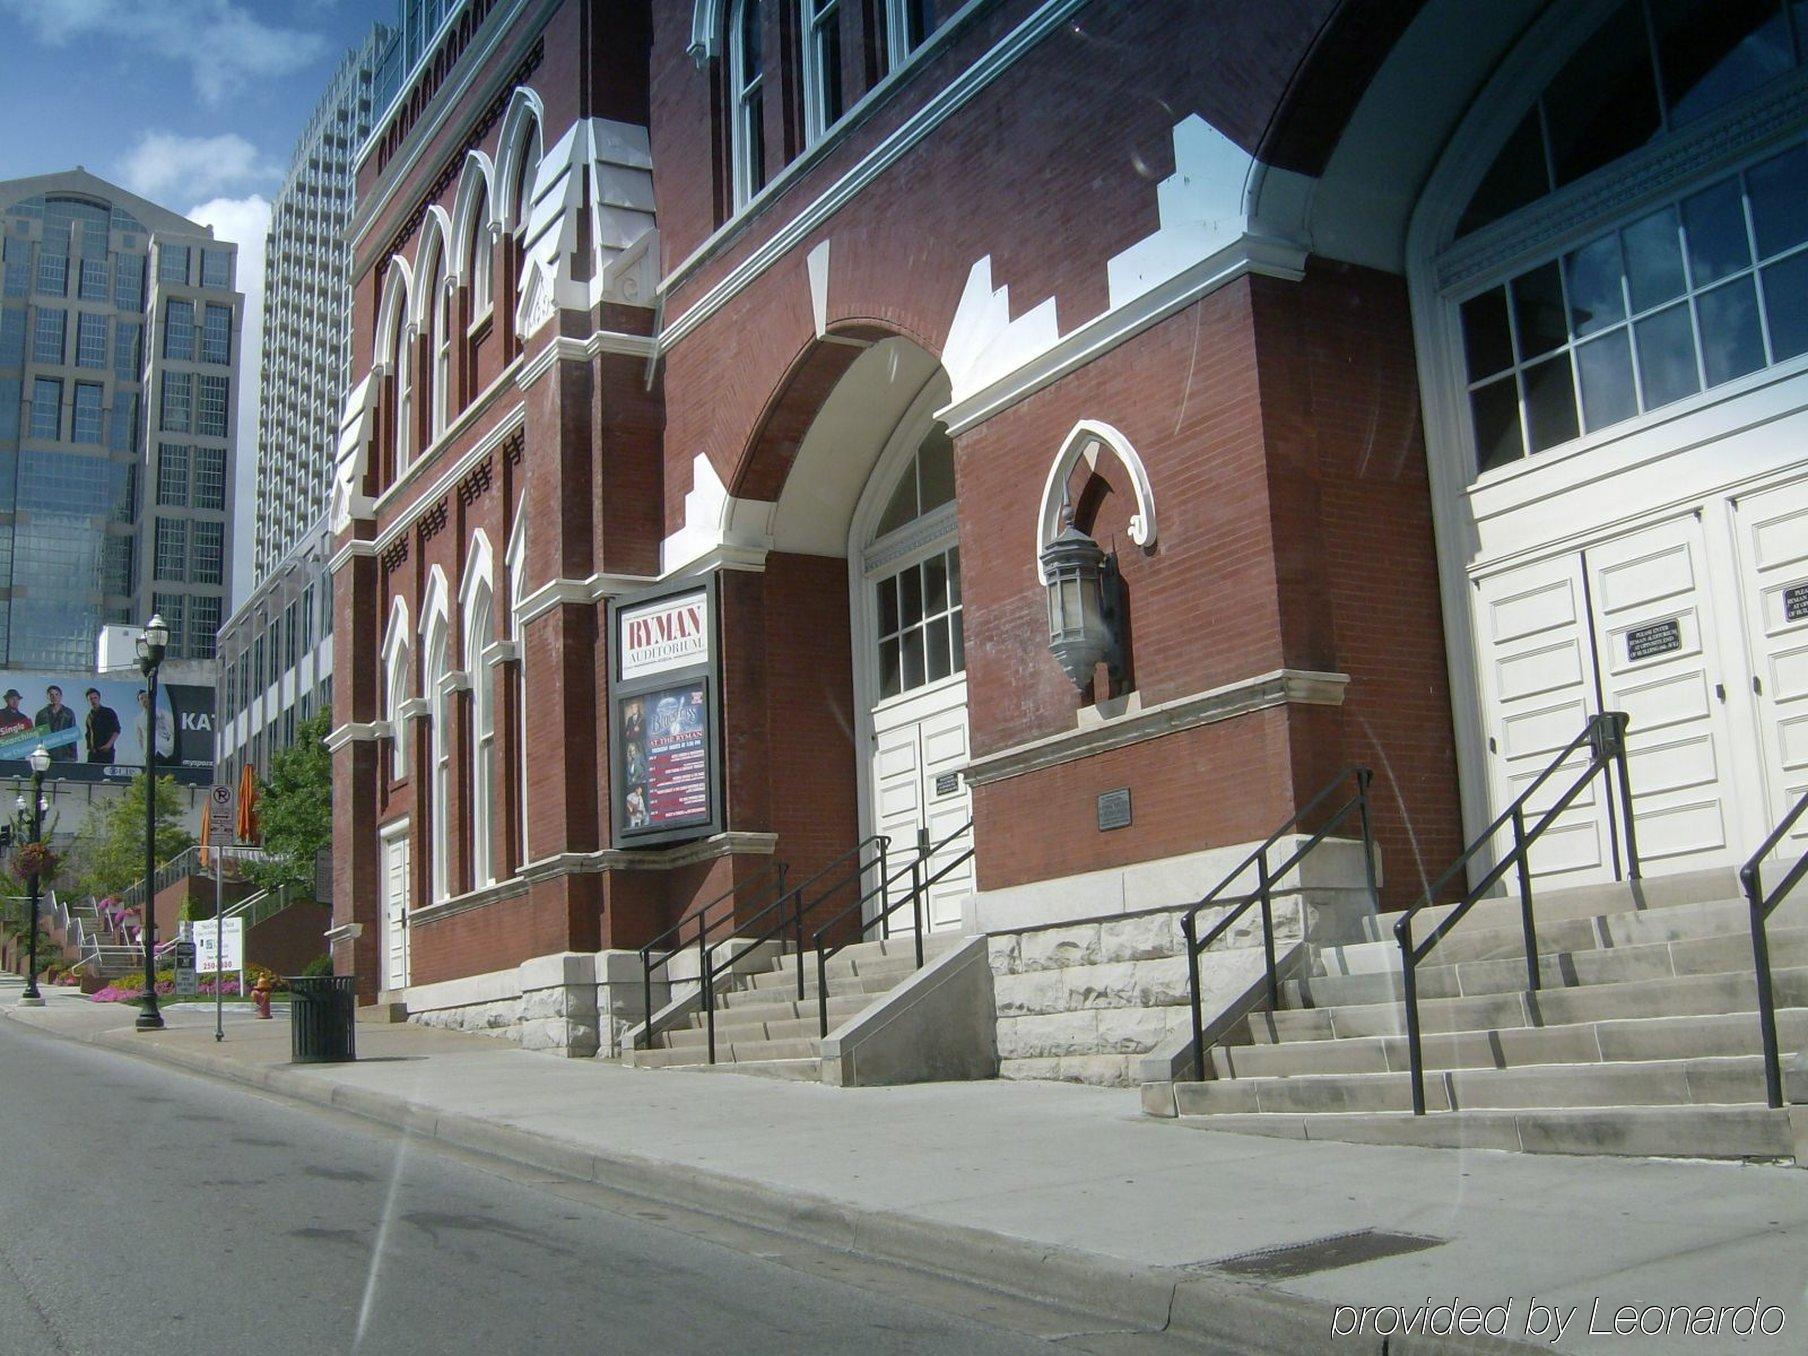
x,y
148,1210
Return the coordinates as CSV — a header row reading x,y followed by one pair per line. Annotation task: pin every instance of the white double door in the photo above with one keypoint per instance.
x,y
919,746
395,909
1685,625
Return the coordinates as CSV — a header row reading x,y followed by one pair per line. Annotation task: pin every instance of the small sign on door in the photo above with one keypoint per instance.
x,y
1647,642
1114,810
1795,602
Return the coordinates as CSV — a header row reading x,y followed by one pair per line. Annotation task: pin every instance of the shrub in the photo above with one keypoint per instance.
x,y
321,965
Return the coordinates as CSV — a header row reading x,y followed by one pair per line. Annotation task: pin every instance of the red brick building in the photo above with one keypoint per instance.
x,y
830,305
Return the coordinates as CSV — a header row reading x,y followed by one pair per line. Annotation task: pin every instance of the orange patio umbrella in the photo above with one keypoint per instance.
x,y
246,829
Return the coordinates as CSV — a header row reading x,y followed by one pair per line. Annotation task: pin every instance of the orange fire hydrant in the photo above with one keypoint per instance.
x,y
260,995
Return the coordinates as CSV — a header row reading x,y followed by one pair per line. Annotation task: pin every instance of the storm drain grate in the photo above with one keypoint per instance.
x,y
1324,1254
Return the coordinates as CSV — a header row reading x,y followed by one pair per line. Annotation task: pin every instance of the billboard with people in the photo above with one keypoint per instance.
x,y
96,729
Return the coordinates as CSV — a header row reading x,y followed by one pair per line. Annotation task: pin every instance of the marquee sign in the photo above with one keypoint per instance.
x,y
664,721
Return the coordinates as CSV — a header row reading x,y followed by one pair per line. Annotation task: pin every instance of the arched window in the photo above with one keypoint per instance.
x,y
819,21
913,566
746,100
1706,282
482,288
439,341
477,599
396,656
517,561
393,349
440,750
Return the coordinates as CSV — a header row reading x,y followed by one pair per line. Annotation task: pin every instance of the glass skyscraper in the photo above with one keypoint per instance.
x,y
119,341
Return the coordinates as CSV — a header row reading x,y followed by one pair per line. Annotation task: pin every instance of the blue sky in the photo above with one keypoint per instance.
x,y
195,104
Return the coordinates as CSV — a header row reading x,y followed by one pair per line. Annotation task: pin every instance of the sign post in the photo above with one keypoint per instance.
x,y
220,830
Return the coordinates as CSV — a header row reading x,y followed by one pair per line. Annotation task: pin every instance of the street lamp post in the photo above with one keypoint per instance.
x,y
151,645
40,764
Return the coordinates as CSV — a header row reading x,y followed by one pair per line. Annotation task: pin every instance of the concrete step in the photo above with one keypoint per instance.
x,y
729,1052
885,970
1688,995
383,1014
1583,901
1727,1132
1636,1039
763,1005
1567,969
1729,1080
738,1029
1470,940
854,955
796,1070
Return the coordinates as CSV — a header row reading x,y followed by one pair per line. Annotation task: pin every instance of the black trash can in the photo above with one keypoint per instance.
x,y
322,1019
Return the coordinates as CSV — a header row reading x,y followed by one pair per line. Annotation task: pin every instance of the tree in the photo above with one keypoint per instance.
x,y
295,809
111,843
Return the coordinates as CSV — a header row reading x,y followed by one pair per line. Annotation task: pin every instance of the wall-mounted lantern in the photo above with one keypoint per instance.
x,y
1085,605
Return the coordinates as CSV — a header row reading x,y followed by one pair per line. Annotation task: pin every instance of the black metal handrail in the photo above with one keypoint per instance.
x,y
700,916
1762,906
791,921
1605,736
919,888
1266,876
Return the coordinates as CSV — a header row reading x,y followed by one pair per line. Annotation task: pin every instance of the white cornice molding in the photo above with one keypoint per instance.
x,y
345,932
577,592
499,652
562,348
354,732
358,548
652,859
414,708
937,109
1098,336
1280,687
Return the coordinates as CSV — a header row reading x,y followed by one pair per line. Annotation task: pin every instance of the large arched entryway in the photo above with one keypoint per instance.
x,y
872,481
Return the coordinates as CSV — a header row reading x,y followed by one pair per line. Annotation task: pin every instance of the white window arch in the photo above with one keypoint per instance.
x,y
393,343
746,100
438,300
819,22
435,638
477,606
517,562
396,658
483,287
912,566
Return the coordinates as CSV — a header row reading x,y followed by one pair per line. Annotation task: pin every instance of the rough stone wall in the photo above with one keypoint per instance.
x,y
1083,1003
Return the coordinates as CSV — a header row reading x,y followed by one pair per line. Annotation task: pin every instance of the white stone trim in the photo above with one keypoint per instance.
x,y
580,592
353,732
937,109
1088,436
561,348
414,708
651,859
1104,732
345,932
358,548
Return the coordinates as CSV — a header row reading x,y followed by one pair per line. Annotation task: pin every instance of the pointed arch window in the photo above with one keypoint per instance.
x,y
483,732
482,278
439,755
439,344
746,100
907,24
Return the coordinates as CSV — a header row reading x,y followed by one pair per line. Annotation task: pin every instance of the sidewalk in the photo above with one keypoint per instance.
x,y
1069,1193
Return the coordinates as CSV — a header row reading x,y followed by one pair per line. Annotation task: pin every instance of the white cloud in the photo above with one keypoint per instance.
x,y
223,44
245,222
163,163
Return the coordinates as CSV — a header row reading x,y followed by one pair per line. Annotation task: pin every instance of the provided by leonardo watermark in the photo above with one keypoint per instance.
x,y
1549,1321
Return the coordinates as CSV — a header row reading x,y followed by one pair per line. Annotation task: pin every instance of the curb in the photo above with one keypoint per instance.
x,y
1216,1311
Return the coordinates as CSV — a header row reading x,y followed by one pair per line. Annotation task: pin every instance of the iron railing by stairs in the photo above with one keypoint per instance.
x,y
1751,877
1356,779
1605,738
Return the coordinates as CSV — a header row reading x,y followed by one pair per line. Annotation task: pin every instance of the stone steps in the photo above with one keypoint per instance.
x,y
1714,1081
1629,1040
762,1027
1642,1037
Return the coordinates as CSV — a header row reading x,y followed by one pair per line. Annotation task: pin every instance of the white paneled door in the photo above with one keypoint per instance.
x,y
1772,537
919,745
395,911
1632,623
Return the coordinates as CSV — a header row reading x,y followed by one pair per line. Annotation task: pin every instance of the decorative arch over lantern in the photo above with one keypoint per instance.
x,y
1087,439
